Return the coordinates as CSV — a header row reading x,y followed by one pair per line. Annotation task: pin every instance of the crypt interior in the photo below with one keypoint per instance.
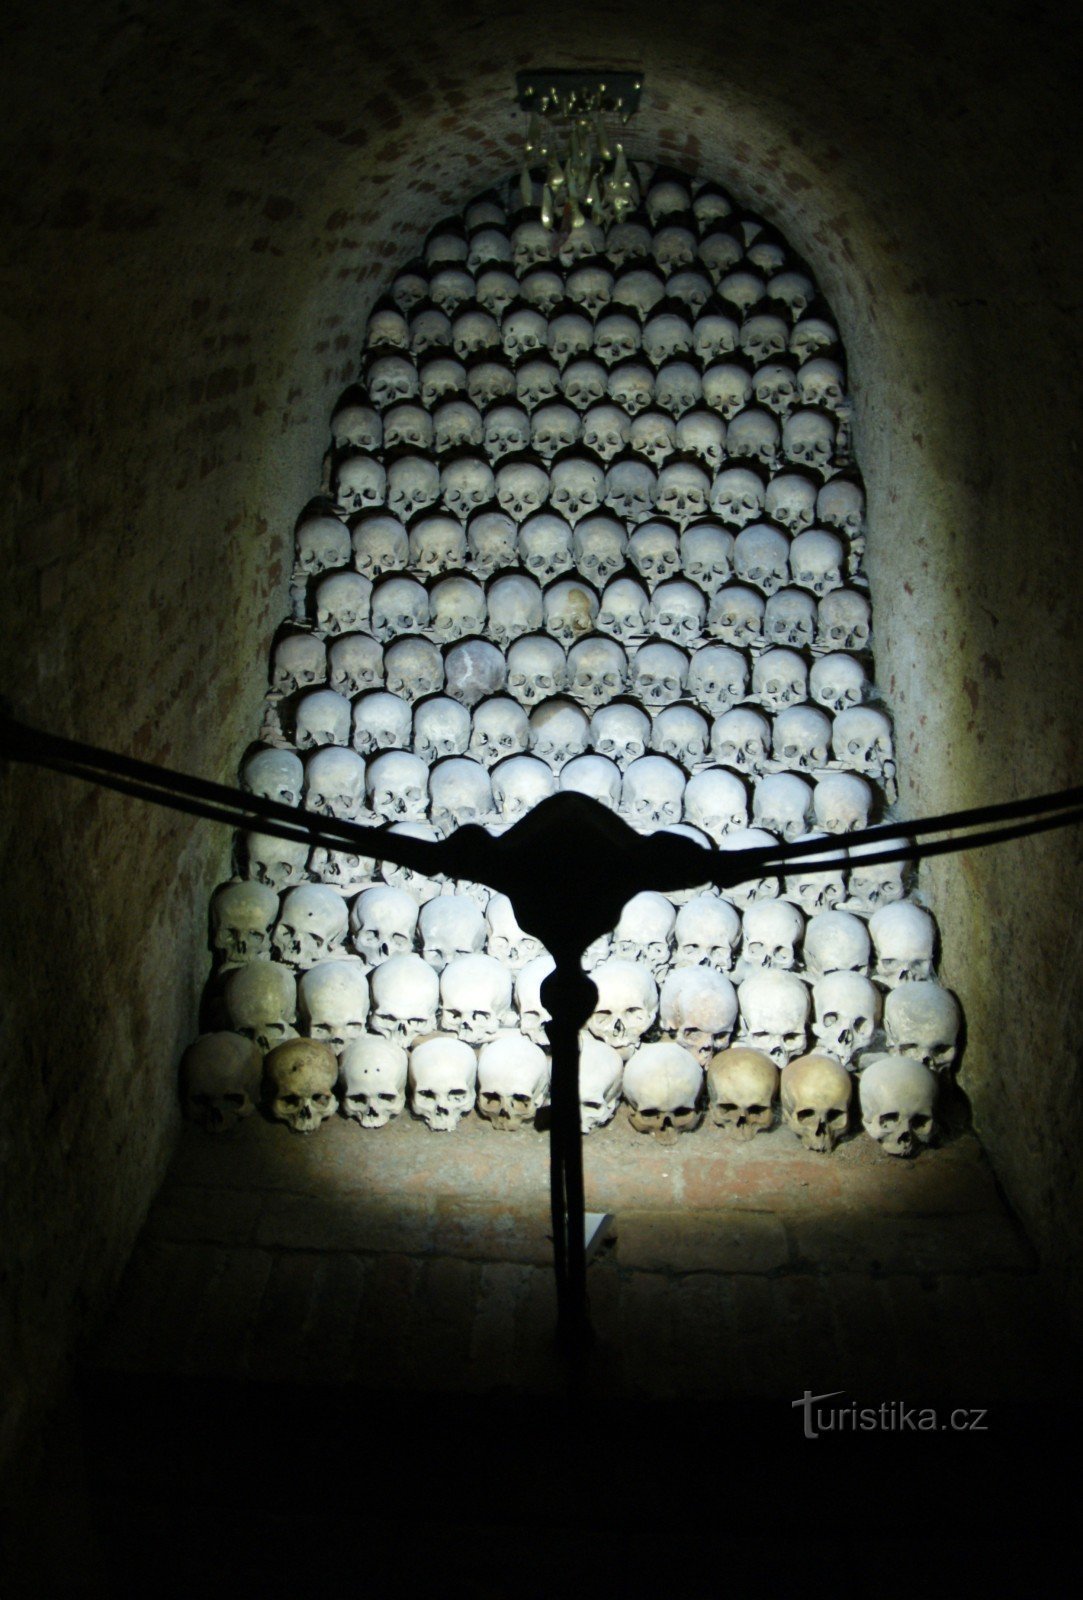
x,y
202,205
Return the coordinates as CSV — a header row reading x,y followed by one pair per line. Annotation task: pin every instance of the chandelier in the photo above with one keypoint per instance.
x,y
582,168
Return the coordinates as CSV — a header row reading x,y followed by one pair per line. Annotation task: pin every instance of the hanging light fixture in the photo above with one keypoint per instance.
x,y
583,170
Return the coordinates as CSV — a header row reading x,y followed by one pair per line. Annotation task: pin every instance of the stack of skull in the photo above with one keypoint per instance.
x,y
589,522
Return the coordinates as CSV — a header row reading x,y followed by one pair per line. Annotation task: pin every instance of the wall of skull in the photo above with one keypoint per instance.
x,y
589,521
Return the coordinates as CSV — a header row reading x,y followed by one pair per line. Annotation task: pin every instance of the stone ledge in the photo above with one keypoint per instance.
x,y
683,1241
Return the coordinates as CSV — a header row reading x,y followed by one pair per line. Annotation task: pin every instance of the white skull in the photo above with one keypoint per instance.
x,y
399,605
274,775
513,1081
506,940
473,669
840,504
359,483
523,330
872,886
698,1010
847,1015
606,431
451,925
620,733
742,1087
537,381
522,487
380,545
792,289
736,617
384,921
904,937
674,247
537,668
624,610
681,492
720,252
810,887
822,383
666,334
654,551
761,557
445,243
653,436
311,926
554,427
816,561
841,802
837,682
601,1074
678,612
441,728
515,608
473,330
627,241
922,1021
475,998
630,385
520,784
458,609
652,792
844,621
598,546
737,496
243,915
779,679
754,433
741,289
558,731
640,289
781,804
507,430
457,425
531,244
861,742
662,1085
627,1004
683,734
789,618
571,608
764,337
739,739
490,380
279,863
577,485
321,543
390,378
595,776
791,501
334,1001
373,1081
727,389
616,337
816,1094
528,1002
299,661
836,941
800,738
715,800
702,434
706,556
666,197
658,674
356,427
220,1073
300,1075
466,484
898,1104
430,326
356,663
774,1014
677,388
413,484
499,728
775,387
396,786
405,997
408,426
808,439
706,933
770,932
381,720
335,782
342,603
322,717
590,286
342,870
491,541
644,932
261,1000
443,1075
496,289
459,793
583,382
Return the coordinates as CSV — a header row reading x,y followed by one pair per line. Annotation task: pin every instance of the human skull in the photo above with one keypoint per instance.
x,y
458,609
761,557
697,1009
808,439
595,776
791,501
644,931
571,608
898,1104
405,997
413,484
781,804
624,610
640,289
274,775
396,786
742,1087
789,618
822,382
356,663
459,793
923,1021
770,931
630,385
531,244
430,325
616,337
506,940
674,247
678,612
627,1004
606,430
407,427
800,738
775,387
536,669
811,886
496,289
475,998
342,603
774,1014
840,504
577,485
381,719
737,496
515,608
342,870
720,252
380,544
491,541
841,802
816,561
474,668
519,784
847,1015
311,926
736,617
513,1081
299,1084
836,941
654,551
441,728
298,662
658,674
522,486
390,378
662,1085
279,863
683,734
335,782
443,1074
373,1081
472,331
904,937
794,290
837,681
601,1074
356,427
620,733
703,435
681,492
598,547
554,426
816,1094
490,379
861,742
678,387
871,886
220,1074
322,717
652,792
590,285
754,434
261,1002
523,329
706,933
741,289
383,920
499,728
667,333
359,483
507,431
399,605
243,915
715,801
334,1001
537,381
844,621
740,739
727,390
764,337
451,925
583,382
627,241
558,731
653,436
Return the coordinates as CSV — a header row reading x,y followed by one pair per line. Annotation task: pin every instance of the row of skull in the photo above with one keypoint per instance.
x,y
506,1081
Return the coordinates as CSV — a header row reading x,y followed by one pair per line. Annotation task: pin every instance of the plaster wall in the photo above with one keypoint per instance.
x,y
201,202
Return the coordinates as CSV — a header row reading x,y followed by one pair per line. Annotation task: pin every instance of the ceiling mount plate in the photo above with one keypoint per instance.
x,y
564,92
